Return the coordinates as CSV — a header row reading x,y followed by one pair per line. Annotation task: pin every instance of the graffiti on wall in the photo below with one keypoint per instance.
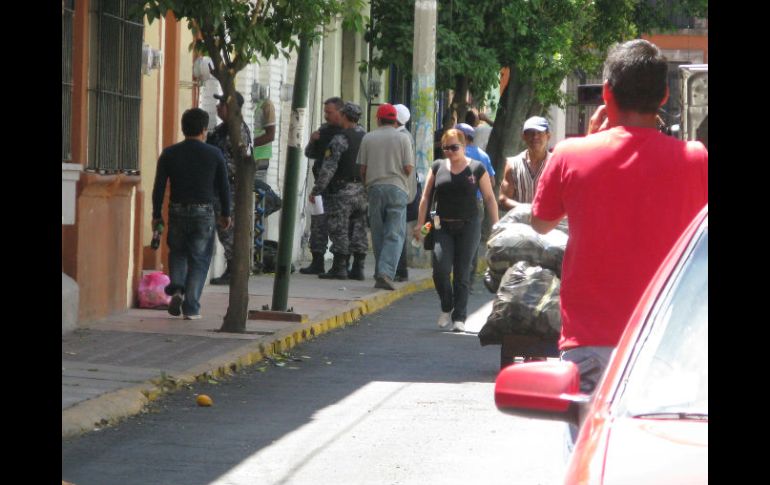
x,y
423,104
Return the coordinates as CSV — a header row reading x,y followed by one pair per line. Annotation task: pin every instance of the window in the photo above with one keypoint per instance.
x,y
672,110
68,13
115,88
669,378
577,116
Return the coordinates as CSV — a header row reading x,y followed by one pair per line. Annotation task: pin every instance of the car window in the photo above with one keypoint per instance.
x,y
669,377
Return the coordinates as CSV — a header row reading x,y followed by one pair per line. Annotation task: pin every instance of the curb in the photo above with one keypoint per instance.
x,y
112,407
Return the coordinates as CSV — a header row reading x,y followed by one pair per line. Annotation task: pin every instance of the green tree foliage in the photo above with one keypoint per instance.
x,y
235,33
540,41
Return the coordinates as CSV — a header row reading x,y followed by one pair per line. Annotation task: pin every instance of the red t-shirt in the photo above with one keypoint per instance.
x,y
628,194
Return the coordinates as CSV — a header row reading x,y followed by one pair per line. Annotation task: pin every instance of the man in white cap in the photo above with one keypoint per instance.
x,y
386,159
522,172
413,200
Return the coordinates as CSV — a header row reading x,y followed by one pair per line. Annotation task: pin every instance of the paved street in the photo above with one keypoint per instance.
x,y
389,400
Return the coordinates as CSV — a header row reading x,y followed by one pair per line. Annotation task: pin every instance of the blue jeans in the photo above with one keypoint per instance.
x,y
190,244
453,253
591,362
387,221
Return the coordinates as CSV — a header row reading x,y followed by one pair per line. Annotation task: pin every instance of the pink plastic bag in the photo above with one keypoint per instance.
x,y
151,294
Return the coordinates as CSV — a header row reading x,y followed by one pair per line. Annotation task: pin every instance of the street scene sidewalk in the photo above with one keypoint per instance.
x,y
113,367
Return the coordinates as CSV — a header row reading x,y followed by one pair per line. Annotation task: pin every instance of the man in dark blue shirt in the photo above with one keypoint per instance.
x,y
198,176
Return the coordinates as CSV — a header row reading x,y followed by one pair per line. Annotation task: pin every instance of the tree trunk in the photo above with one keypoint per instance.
x,y
515,104
238,308
459,101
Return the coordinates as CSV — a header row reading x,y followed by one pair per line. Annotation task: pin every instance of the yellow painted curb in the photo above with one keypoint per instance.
x,y
127,402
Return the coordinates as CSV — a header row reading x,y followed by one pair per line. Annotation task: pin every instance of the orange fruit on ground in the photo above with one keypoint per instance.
x,y
204,400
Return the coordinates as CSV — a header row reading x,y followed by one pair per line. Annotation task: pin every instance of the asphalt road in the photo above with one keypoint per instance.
x,y
390,400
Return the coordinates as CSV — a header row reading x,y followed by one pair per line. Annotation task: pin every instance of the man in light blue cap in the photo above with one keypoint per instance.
x,y
522,172
476,153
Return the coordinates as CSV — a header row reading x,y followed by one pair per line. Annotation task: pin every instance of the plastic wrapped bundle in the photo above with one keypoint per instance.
x,y
492,280
515,242
527,303
554,244
522,214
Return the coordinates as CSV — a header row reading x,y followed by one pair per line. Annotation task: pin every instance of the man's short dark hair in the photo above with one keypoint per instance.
x,y
336,101
471,118
636,72
194,121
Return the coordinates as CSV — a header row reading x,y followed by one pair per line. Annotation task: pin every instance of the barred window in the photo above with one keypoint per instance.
x,y
115,88
578,115
68,13
671,112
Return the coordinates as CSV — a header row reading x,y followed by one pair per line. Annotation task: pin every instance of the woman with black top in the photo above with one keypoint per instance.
x,y
457,224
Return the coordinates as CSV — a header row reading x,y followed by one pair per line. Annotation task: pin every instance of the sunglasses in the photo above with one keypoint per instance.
x,y
451,148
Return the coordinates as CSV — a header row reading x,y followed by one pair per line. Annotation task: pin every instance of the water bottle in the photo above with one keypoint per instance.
x,y
424,230
155,244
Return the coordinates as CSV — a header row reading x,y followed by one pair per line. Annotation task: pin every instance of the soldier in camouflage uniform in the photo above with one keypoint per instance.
x,y
315,149
345,202
220,138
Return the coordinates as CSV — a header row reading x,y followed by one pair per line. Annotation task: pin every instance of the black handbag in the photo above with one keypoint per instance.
x,y
428,241
413,208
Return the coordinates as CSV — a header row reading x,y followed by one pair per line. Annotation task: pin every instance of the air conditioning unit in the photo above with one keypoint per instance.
x,y
259,91
151,59
695,101
202,69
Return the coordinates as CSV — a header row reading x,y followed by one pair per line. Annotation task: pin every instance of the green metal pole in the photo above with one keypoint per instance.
x,y
291,177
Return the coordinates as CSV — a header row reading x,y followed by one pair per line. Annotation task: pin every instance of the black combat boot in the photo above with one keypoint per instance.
x,y
316,266
357,270
224,279
402,273
339,269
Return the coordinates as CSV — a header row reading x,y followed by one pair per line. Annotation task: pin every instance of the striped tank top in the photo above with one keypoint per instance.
x,y
524,179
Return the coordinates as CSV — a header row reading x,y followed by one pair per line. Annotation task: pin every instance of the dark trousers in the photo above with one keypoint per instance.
x,y
453,254
190,244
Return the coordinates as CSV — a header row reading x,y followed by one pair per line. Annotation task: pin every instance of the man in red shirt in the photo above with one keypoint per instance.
x,y
628,192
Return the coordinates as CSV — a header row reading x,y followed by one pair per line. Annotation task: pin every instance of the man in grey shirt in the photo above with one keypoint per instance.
x,y
386,160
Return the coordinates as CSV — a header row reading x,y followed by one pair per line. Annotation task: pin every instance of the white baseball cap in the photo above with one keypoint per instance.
x,y
536,123
402,113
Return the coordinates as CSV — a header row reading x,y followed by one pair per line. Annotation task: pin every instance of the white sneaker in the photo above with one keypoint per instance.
x,y
458,326
444,319
192,317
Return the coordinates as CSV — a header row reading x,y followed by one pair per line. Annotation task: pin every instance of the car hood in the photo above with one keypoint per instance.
x,y
644,451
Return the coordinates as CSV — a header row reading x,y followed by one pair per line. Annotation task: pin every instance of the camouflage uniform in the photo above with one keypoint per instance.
x,y
345,201
319,230
219,138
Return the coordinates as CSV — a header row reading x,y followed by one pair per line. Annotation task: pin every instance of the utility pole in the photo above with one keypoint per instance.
x,y
291,176
424,83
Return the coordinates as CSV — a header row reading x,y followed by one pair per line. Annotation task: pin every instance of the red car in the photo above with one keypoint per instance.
x,y
648,419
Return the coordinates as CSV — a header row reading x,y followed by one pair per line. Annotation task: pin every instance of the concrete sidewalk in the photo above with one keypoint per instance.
x,y
112,368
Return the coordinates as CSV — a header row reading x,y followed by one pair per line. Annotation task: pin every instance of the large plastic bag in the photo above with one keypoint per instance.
x,y
514,242
270,257
527,303
273,201
492,280
554,244
522,214
151,294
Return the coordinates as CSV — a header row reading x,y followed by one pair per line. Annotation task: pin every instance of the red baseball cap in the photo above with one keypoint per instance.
x,y
387,112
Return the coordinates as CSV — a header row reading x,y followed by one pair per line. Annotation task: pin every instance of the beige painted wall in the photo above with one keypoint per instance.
x,y
152,112
150,131
186,83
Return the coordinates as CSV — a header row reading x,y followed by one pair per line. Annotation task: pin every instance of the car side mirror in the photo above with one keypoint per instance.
x,y
544,390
